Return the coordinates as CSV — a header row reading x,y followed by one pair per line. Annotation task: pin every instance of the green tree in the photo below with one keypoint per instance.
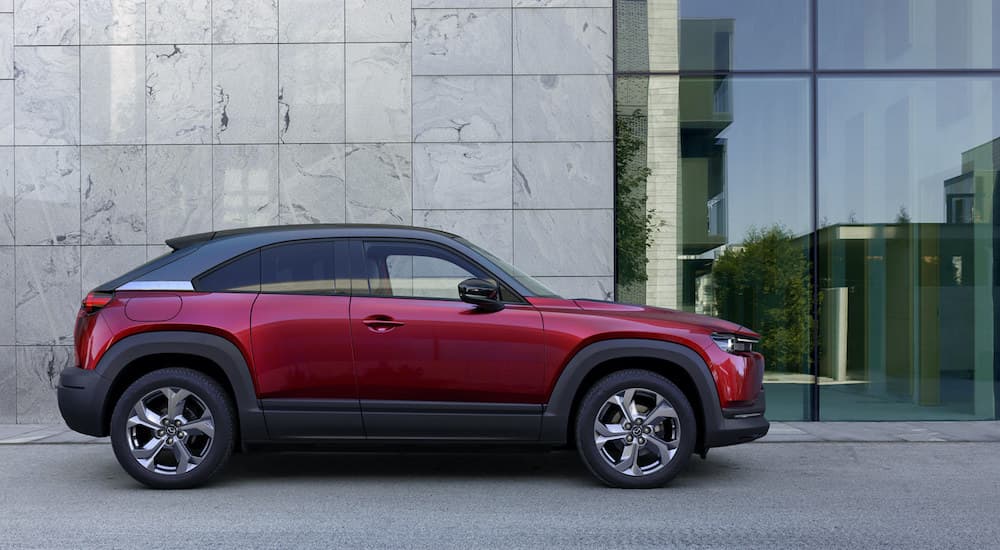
x,y
764,284
635,224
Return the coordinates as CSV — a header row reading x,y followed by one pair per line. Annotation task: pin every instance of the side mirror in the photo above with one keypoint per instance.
x,y
481,293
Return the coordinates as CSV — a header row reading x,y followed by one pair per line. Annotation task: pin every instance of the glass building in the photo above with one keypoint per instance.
x,y
822,171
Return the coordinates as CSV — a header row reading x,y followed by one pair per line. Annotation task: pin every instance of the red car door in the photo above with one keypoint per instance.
x,y
430,365
300,334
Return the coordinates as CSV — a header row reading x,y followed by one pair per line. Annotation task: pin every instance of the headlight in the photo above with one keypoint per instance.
x,y
730,343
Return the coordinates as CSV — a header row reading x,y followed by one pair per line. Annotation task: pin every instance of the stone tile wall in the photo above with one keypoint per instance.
x,y
127,122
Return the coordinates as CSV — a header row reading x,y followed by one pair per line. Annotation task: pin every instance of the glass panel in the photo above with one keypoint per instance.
x,y
298,268
909,34
713,211
718,35
906,194
239,275
416,271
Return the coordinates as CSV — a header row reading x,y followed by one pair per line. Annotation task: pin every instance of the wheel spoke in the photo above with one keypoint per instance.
x,y
146,455
628,463
608,432
175,402
203,425
142,416
185,460
666,449
662,412
629,401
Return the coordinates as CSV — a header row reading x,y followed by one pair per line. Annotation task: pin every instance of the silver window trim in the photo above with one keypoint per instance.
x,y
184,286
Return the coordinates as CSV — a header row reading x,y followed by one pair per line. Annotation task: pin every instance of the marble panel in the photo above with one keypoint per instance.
x,y
178,94
462,108
377,20
562,41
113,195
47,195
244,21
379,184
311,99
179,191
245,182
245,94
559,243
179,21
48,294
38,369
563,108
100,264
564,175
312,186
592,288
112,91
6,196
378,92
462,176
448,42
6,45
6,112
490,229
47,22
47,95
8,385
112,21
311,20
7,269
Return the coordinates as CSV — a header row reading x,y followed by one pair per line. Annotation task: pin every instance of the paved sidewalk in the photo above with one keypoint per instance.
x,y
781,432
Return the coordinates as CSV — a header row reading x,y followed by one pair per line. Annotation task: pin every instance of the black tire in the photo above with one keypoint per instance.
x,y
215,453
597,458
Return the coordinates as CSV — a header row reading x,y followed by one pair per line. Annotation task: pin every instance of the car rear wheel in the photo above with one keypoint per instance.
x,y
173,429
635,430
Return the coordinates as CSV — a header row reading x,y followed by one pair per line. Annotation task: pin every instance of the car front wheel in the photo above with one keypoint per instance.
x,y
173,429
635,430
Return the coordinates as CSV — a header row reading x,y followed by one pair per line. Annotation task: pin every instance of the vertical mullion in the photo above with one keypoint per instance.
x,y
814,411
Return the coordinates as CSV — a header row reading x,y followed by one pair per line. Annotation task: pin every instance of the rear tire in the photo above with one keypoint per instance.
x,y
635,430
173,429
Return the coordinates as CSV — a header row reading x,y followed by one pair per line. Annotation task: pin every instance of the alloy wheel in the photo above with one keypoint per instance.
x,y
637,431
170,431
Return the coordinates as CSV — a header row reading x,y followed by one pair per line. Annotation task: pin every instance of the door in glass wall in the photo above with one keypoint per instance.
x,y
907,270
714,211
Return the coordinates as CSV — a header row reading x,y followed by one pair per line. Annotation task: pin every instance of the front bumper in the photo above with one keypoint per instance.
x,y
740,425
81,400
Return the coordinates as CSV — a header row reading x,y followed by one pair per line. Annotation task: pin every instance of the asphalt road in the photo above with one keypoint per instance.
x,y
768,495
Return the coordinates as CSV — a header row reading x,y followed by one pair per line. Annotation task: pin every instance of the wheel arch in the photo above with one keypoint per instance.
x,y
134,356
675,362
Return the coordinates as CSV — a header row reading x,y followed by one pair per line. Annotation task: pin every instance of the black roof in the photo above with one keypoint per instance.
x,y
179,243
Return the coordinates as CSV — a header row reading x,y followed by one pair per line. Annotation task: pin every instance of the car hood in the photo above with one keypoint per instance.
x,y
661,316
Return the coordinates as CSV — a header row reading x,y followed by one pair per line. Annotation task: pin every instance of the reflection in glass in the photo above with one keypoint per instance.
x,y
714,210
906,196
712,35
909,34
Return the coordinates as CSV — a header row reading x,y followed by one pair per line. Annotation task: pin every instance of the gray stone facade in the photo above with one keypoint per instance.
x,y
126,122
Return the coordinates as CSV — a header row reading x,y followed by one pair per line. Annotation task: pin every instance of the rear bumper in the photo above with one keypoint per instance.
x,y
81,400
739,425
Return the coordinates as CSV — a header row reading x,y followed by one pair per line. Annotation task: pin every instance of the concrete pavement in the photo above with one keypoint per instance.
x,y
778,495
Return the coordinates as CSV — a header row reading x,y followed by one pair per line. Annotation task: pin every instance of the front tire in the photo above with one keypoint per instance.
x,y
635,430
173,429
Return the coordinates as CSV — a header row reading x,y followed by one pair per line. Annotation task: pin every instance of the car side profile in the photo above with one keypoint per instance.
x,y
353,334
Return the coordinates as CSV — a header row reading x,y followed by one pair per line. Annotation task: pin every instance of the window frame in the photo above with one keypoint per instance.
x,y
509,296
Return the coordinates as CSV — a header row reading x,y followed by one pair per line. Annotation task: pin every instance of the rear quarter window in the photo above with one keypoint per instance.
x,y
239,275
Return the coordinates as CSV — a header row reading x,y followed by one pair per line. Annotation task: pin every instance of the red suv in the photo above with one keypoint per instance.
x,y
340,334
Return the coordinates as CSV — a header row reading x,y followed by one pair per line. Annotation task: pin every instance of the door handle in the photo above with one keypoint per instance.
x,y
381,323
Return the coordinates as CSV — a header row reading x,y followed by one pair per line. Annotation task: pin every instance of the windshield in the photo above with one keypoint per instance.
x,y
536,288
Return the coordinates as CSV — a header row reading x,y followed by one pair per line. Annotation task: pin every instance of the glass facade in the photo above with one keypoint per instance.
x,y
823,172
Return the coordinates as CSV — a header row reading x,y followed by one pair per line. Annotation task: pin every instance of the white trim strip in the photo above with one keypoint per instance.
x,y
184,286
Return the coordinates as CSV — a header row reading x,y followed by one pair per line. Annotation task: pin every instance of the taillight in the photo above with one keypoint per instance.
x,y
95,301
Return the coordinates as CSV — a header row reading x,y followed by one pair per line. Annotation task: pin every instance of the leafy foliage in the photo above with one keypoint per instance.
x,y
764,284
635,224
